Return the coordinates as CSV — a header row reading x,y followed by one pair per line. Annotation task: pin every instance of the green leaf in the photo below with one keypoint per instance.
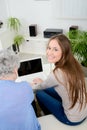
x,y
14,24
19,39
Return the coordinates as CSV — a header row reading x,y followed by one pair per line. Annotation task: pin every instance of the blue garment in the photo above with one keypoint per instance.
x,y
51,102
16,111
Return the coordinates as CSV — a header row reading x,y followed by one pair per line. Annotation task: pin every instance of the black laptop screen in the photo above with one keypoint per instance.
x,y
30,67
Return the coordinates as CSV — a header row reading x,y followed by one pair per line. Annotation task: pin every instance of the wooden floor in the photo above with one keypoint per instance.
x,y
37,108
39,111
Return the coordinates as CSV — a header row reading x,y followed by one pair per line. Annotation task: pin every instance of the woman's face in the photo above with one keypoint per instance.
x,y
53,52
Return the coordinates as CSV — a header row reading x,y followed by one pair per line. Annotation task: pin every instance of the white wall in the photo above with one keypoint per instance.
x,y
42,13
3,12
6,37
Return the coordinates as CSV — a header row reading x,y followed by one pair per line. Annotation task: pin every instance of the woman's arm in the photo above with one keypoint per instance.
x,y
49,82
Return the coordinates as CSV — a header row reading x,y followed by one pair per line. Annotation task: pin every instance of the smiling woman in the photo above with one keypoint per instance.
x,y
64,90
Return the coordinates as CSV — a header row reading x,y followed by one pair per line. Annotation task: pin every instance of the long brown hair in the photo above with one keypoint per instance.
x,y
72,69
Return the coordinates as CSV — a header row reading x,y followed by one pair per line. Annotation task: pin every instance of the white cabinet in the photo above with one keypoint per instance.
x,y
35,45
46,66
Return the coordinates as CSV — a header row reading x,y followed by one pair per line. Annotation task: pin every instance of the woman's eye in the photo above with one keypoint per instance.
x,y
56,49
48,48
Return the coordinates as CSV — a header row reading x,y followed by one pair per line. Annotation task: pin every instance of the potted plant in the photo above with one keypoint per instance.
x,y
1,23
18,39
14,25
79,45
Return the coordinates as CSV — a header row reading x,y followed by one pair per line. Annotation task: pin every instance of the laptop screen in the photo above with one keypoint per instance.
x,y
30,66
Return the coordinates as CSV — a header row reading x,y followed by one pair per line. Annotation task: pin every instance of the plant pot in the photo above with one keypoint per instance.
x,y
15,48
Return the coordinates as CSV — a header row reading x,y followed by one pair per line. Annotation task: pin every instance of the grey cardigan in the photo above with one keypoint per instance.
x,y
61,87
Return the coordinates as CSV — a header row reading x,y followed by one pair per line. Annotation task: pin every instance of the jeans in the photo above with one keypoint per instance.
x,y
51,103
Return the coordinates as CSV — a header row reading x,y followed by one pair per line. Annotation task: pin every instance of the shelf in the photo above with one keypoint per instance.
x,y
37,38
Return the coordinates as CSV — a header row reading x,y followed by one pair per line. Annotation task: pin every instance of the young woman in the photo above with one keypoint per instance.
x,y
64,91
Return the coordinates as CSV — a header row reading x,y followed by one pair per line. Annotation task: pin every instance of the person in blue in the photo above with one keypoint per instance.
x,y
16,110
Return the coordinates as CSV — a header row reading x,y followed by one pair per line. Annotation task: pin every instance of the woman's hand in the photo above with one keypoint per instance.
x,y
37,81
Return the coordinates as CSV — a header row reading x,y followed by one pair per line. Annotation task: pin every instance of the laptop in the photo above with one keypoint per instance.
x,y
30,69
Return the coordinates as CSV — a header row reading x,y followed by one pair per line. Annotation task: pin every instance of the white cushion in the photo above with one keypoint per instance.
x,y
49,122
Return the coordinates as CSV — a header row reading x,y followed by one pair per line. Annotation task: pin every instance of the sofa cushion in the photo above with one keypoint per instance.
x,y
49,122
